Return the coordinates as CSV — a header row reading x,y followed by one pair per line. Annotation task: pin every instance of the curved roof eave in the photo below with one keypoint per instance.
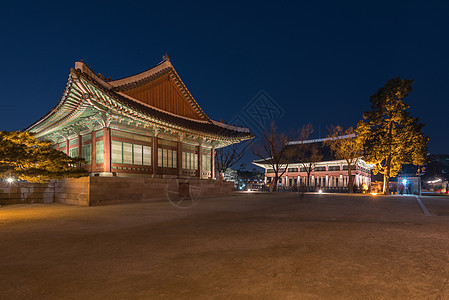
x,y
206,126
211,127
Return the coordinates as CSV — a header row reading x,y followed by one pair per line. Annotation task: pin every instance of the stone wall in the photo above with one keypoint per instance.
x,y
73,191
25,192
117,190
94,191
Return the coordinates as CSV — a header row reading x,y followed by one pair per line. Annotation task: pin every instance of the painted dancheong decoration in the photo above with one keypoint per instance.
x,y
146,124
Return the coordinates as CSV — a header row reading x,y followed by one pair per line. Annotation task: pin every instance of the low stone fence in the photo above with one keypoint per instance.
x,y
93,191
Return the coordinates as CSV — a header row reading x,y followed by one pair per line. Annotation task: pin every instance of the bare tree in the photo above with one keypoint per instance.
x,y
227,157
347,146
308,154
274,150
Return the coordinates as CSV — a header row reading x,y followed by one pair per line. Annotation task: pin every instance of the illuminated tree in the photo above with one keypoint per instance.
x,y
390,136
347,146
25,158
274,150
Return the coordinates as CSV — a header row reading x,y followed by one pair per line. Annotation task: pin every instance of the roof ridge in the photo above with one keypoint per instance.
x,y
142,78
195,104
117,83
83,68
322,139
141,82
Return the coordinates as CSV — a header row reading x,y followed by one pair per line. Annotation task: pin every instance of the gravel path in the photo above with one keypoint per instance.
x,y
248,246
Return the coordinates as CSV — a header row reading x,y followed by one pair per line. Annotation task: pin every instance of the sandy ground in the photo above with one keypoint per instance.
x,y
255,246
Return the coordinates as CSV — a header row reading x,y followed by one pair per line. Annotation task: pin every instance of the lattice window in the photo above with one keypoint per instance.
x,y
128,153
167,158
206,163
86,153
189,160
99,152
73,152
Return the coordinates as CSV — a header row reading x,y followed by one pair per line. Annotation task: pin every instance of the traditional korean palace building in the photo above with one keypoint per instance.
x,y
146,124
327,173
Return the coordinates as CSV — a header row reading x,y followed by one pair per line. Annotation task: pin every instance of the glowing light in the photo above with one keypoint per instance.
x,y
10,180
404,181
320,192
249,191
434,181
374,194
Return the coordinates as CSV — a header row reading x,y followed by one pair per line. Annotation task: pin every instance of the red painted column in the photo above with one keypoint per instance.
x,y
179,158
67,147
80,145
154,155
94,153
107,149
200,160
212,167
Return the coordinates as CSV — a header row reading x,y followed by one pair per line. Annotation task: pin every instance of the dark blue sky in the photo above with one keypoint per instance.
x,y
318,61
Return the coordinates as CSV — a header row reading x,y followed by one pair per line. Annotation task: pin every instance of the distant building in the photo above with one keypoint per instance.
x,y
327,173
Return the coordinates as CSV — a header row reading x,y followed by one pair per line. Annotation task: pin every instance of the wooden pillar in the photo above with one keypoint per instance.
x,y
179,157
94,153
67,143
200,159
80,145
212,166
154,155
107,149
57,145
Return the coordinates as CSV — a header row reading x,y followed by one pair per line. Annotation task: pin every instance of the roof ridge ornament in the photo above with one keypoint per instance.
x,y
165,57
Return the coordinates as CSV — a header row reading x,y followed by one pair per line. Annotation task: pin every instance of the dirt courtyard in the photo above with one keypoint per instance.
x,y
247,246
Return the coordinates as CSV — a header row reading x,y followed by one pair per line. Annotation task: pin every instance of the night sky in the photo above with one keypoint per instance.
x,y
318,62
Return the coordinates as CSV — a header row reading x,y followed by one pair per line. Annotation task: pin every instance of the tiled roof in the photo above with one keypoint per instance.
x,y
196,125
113,90
142,78
323,149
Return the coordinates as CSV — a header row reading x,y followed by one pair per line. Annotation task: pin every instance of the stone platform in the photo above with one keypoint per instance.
x,y
94,191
